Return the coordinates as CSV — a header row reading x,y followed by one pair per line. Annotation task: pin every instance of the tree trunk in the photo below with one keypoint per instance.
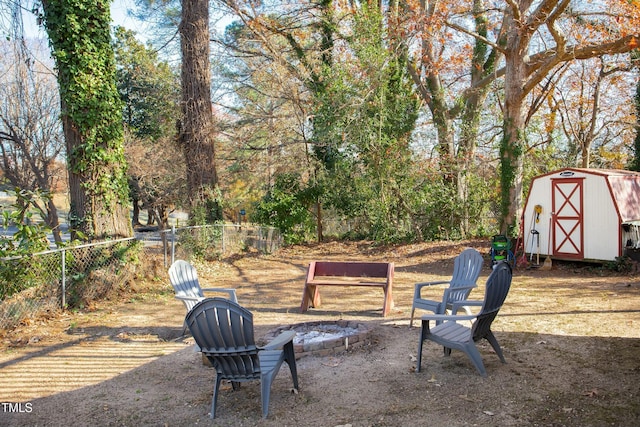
x,y
511,169
635,160
196,133
91,217
53,222
512,145
91,118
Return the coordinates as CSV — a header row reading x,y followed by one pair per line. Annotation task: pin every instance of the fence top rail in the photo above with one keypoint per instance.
x,y
107,242
169,230
53,251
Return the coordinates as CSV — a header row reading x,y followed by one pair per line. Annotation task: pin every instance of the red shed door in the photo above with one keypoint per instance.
x,y
568,233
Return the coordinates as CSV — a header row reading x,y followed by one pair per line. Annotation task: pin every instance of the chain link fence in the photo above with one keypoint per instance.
x,y
41,284
215,241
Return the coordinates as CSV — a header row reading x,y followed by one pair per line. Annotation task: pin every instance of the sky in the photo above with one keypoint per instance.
x,y
119,17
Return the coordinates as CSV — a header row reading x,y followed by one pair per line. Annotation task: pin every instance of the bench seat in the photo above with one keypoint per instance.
x,y
330,273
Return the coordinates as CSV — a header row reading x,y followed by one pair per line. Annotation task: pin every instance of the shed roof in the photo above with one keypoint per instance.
x,y
625,189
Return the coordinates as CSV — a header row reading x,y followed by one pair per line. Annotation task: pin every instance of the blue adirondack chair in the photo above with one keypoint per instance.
x,y
466,270
453,335
223,330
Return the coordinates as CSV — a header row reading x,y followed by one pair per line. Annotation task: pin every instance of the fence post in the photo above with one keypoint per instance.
x,y
173,244
64,278
163,237
223,239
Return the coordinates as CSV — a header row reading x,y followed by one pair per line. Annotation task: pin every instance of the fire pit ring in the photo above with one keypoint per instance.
x,y
324,338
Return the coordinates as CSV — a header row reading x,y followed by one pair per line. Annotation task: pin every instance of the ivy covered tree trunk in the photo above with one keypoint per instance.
x,y
635,161
196,133
91,112
511,170
512,144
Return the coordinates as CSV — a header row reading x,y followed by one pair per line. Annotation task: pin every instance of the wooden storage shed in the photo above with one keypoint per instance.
x,y
582,214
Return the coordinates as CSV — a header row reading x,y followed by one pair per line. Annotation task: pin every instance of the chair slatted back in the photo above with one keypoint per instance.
x,y
184,279
466,270
498,285
224,332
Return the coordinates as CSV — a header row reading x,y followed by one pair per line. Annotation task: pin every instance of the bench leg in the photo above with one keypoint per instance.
x,y
315,296
388,301
304,305
310,298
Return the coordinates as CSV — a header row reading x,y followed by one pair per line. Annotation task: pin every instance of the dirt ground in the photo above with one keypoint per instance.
x,y
570,335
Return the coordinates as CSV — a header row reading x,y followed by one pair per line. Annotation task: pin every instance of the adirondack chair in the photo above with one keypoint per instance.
x,y
453,335
184,279
466,270
223,330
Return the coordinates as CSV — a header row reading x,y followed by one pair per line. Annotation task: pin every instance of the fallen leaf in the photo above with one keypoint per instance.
x,y
333,363
488,413
591,393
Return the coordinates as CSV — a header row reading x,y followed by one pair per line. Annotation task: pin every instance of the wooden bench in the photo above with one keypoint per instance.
x,y
328,273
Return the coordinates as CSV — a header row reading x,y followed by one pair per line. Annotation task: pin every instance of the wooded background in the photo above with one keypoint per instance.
x,y
393,121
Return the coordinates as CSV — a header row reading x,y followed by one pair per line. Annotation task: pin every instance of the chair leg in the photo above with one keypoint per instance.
x,y
496,347
265,389
270,362
476,358
424,331
290,358
214,399
413,310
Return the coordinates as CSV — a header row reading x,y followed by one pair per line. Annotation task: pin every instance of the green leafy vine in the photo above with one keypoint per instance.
x,y
80,39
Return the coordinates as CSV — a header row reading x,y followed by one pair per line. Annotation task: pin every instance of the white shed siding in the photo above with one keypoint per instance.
x,y
601,226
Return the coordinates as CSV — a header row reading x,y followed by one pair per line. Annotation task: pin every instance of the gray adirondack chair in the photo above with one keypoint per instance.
x,y
224,332
466,270
184,279
453,335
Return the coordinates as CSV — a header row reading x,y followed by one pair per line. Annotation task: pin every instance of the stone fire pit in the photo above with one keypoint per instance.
x,y
324,338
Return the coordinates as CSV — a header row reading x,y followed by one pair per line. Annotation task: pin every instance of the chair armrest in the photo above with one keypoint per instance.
x,y
232,292
464,303
419,286
467,302
185,298
279,341
447,317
